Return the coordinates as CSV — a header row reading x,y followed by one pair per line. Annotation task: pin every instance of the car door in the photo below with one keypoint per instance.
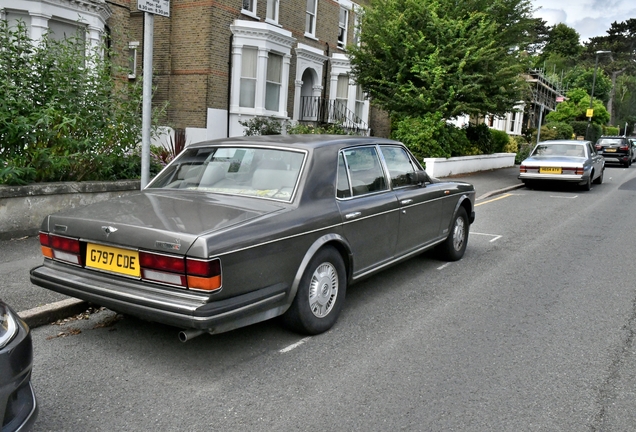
x,y
597,160
420,204
368,208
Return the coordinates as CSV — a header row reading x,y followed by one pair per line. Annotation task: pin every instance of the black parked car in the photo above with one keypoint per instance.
x,y
239,230
616,149
18,406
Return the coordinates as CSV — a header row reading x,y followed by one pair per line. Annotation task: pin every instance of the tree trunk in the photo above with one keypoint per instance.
x,y
610,103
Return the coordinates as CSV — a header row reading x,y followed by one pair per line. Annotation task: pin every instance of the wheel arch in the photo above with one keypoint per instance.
x,y
335,240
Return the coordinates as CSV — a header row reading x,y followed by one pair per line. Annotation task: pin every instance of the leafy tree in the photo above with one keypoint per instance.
x,y
433,56
563,41
575,108
537,35
621,42
625,103
582,77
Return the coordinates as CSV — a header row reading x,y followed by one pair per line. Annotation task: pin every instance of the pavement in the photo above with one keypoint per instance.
x,y
38,306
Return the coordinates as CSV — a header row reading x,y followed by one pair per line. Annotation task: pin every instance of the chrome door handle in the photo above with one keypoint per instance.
x,y
406,201
352,215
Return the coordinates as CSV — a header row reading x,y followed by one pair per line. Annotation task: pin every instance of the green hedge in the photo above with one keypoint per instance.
x,y
63,117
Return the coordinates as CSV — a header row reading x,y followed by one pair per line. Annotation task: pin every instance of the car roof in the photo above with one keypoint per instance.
x,y
565,142
304,141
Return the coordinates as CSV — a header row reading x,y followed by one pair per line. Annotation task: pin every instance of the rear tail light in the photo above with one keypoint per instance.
x,y
598,147
578,171
523,169
61,248
185,272
573,170
624,147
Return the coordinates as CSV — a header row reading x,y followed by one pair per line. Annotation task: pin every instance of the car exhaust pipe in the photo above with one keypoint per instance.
x,y
186,335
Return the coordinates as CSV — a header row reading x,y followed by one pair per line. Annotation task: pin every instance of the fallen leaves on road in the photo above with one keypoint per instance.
x,y
82,316
70,332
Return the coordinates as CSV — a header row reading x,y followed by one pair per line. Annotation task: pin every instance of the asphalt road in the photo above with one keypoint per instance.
x,y
533,330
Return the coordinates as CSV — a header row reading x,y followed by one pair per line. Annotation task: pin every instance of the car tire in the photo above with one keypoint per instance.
x,y
599,179
455,244
321,294
588,184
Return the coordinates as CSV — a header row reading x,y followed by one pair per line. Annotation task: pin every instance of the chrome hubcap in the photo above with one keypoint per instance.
x,y
459,233
323,290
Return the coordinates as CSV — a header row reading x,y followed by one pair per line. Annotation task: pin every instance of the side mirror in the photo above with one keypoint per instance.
x,y
418,177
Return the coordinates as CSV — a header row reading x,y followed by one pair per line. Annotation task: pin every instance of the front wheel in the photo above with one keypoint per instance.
x,y
321,294
455,244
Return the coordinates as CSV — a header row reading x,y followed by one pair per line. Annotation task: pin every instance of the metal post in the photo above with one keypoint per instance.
x,y
589,119
540,121
146,111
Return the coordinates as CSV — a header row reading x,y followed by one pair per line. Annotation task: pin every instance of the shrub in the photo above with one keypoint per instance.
x,y
611,130
500,140
481,137
513,144
431,136
579,128
261,126
554,131
63,116
301,128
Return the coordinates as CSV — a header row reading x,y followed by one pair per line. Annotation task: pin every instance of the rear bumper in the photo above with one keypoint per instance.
x,y
616,158
178,308
570,178
18,405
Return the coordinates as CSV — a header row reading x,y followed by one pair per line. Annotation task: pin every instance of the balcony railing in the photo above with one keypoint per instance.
x,y
322,111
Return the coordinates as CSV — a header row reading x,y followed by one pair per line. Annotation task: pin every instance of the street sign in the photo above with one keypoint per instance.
x,y
560,99
589,113
157,7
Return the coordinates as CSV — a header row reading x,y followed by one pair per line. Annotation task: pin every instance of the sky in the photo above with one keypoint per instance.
x,y
588,17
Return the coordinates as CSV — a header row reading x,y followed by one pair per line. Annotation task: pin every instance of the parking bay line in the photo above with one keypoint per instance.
x,y
564,197
294,345
494,199
496,236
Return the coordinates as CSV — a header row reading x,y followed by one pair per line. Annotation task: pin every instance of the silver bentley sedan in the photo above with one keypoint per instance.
x,y
563,161
240,230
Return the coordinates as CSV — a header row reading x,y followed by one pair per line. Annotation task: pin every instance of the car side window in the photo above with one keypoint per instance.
x,y
343,190
399,165
365,170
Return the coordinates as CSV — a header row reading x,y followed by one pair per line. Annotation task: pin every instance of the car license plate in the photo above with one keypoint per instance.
x,y
116,260
550,170
610,150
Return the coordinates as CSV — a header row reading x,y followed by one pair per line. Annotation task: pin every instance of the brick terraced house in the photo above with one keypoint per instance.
x,y
221,62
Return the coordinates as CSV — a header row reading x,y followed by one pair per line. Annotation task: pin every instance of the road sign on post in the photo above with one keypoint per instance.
x,y
157,7
150,8
589,113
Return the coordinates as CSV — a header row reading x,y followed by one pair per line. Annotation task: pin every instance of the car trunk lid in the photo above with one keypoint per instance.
x,y
156,220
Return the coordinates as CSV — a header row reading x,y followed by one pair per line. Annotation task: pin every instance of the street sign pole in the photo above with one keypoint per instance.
x,y
146,110
150,8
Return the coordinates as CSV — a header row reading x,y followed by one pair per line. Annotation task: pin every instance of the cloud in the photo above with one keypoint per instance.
x,y
552,16
590,27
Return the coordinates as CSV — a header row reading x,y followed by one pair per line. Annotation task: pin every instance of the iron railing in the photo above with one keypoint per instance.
x,y
315,109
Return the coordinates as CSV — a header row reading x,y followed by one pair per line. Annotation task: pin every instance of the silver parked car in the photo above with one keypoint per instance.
x,y
563,161
240,230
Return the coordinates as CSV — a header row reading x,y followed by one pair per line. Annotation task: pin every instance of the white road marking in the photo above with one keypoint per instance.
x,y
564,197
444,266
496,236
295,345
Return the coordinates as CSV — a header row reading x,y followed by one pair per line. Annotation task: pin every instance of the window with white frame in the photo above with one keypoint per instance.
x,y
342,27
273,83
356,26
261,56
248,77
310,21
249,6
342,91
272,10
360,99
132,59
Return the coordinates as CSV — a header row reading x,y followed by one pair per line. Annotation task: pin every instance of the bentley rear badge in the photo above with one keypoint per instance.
x,y
108,230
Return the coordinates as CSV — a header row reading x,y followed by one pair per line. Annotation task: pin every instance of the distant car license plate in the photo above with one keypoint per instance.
x,y
550,170
610,150
116,260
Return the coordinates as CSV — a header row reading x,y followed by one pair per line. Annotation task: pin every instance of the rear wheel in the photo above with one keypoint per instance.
x,y
588,184
599,179
454,246
321,294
